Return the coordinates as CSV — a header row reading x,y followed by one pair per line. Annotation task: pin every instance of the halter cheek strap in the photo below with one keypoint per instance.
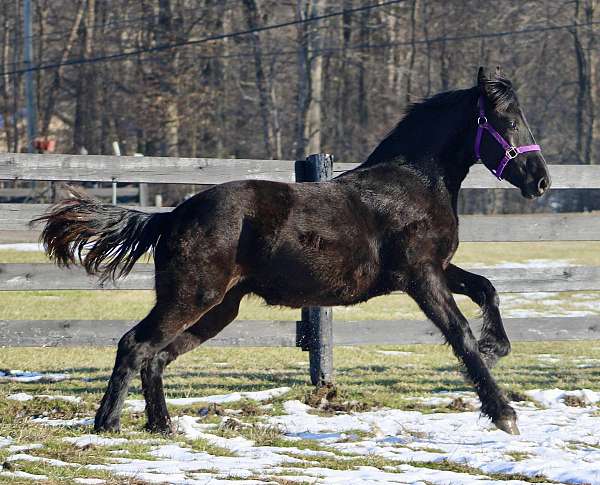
x,y
510,151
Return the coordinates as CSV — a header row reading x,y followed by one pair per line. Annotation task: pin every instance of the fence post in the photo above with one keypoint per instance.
x,y
315,331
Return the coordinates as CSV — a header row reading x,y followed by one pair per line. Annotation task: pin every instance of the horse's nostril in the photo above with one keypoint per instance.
x,y
542,185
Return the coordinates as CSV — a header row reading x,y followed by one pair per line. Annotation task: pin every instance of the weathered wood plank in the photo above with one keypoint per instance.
x,y
98,333
16,217
390,332
95,191
47,276
563,177
500,228
108,168
530,227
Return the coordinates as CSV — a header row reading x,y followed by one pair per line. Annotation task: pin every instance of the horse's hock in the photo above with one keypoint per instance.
x,y
315,331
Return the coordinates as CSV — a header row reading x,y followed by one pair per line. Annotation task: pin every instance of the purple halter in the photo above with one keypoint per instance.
x,y
510,151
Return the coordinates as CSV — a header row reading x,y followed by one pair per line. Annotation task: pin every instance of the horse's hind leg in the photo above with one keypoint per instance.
x,y
207,327
430,290
493,342
169,318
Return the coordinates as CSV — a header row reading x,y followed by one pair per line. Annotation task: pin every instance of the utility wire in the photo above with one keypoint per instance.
x,y
433,40
324,50
162,47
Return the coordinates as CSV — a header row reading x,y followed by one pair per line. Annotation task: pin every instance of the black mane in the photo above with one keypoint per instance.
x,y
427,126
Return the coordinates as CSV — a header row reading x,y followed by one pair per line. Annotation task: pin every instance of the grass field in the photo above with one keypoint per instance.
x,y
368,378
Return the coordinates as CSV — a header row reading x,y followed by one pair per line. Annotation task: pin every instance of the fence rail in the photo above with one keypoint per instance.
x,y
46,276
209,171
474,228
489,228
257,333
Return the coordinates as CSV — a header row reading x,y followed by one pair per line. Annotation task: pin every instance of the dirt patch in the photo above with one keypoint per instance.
x,y
575,401
459,404
328,399
516,396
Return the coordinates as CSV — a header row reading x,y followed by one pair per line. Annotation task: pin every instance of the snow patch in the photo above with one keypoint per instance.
x,y
92,439
22,247
75,422
27,376
23,396
28,476
138,405
555,398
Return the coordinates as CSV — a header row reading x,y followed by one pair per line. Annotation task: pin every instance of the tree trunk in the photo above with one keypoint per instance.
x,y
52,93
414,20
5,82
312,127
264,101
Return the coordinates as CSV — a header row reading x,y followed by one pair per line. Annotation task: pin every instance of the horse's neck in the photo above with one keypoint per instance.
x,y
442,147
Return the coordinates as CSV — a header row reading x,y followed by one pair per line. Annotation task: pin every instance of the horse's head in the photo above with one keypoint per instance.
x,y
504,142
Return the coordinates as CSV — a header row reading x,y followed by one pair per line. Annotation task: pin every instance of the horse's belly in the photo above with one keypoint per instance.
x,y
300,285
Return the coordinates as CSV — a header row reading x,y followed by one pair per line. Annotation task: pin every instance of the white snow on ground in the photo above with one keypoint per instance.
x,y
27,476
529,263
22,247
69,423
445,398
94,439
138,405
26,376
23,396
552,398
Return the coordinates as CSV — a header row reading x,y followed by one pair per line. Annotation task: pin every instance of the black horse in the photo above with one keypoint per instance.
x,y
389,225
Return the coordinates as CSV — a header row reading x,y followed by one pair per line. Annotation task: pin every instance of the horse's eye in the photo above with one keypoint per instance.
x,y
513,125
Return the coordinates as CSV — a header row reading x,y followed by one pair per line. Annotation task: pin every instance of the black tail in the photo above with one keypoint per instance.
x,y
105,239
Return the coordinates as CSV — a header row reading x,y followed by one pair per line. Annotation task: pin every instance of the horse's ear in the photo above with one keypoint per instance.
x,y
481,80
498,72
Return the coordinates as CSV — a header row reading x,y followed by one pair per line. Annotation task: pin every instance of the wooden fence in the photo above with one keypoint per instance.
x,y
496,228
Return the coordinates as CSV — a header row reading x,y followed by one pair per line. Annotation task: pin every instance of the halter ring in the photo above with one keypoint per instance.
x,y
482,120
512,152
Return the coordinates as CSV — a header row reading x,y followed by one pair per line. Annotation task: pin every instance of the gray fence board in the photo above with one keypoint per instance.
x,y
52,333
47,276
108,168
95,191
530,227
500,228
98,333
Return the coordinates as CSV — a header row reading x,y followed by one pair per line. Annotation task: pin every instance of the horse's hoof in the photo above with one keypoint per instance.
x,y
508,425
166,429
107,427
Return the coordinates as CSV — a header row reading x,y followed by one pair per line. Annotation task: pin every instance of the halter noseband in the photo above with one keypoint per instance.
x,y
510,151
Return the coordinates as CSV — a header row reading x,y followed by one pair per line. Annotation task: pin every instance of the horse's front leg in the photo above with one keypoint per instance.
x,y
430,290
493,342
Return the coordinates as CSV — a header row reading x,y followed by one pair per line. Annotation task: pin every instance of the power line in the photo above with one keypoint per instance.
x,y
162,47
434,40
324,50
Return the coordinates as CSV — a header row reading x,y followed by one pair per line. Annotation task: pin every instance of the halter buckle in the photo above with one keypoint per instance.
x,y
482,120
511,153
